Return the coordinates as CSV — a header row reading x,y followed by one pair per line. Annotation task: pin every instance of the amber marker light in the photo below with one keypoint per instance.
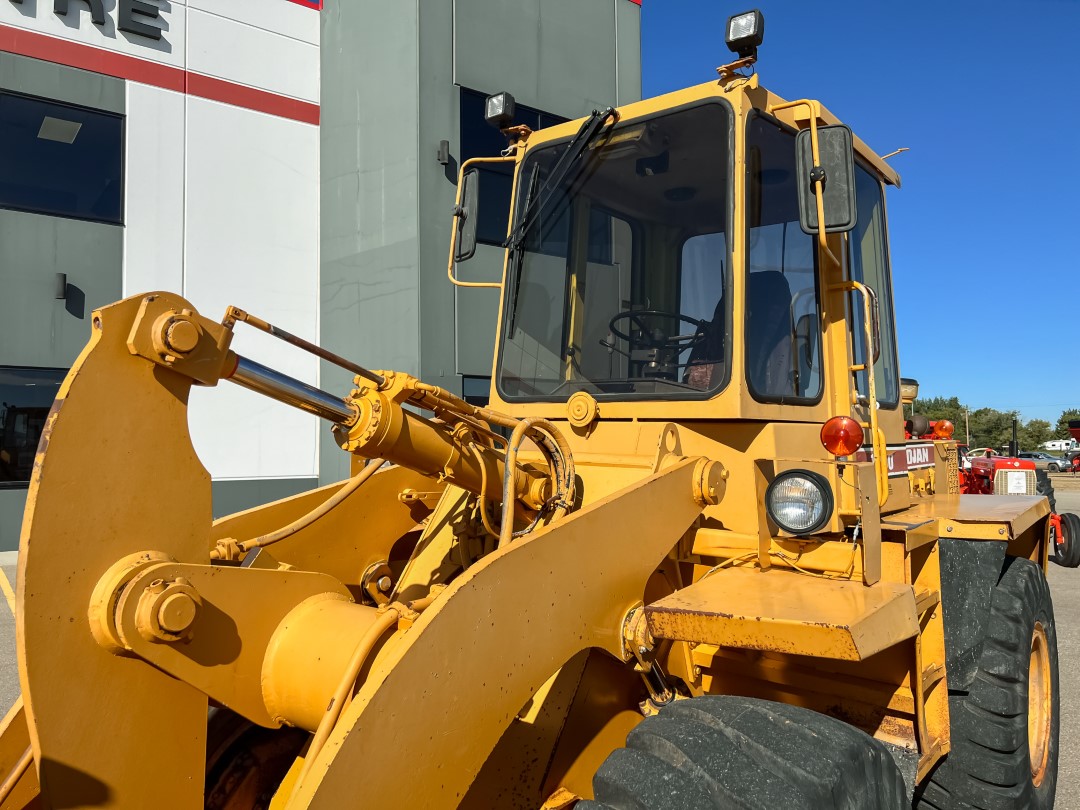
x,y
842,435
943,429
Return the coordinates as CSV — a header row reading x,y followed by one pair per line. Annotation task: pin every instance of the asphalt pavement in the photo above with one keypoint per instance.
x,y
1065,589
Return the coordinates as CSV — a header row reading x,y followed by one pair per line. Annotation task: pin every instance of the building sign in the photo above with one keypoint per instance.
x,y
132,16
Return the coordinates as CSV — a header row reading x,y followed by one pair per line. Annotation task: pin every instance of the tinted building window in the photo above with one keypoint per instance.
x,y
26,395
61,160
480,139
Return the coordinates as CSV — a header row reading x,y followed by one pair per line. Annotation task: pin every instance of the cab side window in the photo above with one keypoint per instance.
x,y
868,261
783,317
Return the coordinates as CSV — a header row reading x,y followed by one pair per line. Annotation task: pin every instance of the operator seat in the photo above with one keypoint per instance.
x,y
706,364
769,334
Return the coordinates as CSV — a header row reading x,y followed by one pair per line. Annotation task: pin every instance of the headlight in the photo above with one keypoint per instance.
x,y
799,501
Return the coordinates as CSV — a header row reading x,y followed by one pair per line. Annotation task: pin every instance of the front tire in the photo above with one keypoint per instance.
x,y
721,751
1067,553
1005,729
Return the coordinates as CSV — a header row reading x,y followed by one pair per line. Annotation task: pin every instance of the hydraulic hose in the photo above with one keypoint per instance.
x,y
318,512
560,463
343,694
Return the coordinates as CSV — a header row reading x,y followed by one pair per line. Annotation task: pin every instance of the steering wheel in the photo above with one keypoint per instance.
x,y
657,339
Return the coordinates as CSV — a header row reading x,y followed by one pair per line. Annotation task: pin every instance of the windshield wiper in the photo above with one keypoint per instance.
x,y
586,134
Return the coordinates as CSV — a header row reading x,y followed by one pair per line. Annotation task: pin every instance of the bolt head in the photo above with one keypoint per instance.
x,y
384,584
177,613
182,336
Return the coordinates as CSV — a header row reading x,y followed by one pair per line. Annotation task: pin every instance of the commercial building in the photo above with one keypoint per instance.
x,y
296,160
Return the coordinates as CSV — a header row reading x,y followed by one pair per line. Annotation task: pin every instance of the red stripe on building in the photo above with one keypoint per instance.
x,y
122,66
317,4
636,2
240,95
85,57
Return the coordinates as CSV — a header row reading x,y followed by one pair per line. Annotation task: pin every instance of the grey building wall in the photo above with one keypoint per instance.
x,y
36,329
391,74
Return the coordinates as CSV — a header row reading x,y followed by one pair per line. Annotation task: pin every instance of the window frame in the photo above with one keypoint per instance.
x,y
758,397
886,295
512,278
121,221
63,372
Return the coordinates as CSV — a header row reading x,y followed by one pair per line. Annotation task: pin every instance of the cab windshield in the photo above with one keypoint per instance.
x,y
620,286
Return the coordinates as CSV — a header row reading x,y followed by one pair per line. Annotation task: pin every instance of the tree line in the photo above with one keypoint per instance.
x,y
988,427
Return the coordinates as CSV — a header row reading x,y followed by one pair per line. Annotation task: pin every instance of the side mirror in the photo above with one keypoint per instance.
x,y
466,215
838,190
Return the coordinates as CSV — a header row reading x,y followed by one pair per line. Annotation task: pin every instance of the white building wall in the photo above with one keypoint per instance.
x,y
221,192
154,190
251,208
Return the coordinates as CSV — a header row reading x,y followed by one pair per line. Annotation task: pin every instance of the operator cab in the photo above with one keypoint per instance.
x,y
621,285
663,252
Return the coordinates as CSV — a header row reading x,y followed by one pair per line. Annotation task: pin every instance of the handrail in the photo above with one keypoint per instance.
x,y
877,438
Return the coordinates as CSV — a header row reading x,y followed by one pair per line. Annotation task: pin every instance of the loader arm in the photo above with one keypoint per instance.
x,y
503,627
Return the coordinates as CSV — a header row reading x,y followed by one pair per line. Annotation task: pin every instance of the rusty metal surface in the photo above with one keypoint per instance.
x,y
787,612
1016,512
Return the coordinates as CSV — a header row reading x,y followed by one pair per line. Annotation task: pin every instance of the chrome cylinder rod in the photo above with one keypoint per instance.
x,y
284,388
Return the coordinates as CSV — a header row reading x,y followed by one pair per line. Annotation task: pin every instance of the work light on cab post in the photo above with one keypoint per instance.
x,y
499,110
842,436
744,33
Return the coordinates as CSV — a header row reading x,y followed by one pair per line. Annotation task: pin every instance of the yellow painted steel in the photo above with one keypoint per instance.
x,y
463,626
91,713
21,785
530,608
784,611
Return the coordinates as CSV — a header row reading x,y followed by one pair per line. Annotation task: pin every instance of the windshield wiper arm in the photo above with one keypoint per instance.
x,y
586,134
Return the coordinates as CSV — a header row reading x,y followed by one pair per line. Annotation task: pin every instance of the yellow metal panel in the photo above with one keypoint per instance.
x,y
116,470
14,741
499,631
787,612
965,513
359,531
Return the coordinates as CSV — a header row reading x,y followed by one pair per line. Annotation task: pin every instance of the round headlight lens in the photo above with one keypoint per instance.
x,y
799,501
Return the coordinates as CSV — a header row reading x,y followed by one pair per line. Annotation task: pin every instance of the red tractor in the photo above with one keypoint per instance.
x,y
992,474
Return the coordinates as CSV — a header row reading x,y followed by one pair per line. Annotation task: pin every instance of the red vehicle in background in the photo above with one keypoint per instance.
x,y
988,473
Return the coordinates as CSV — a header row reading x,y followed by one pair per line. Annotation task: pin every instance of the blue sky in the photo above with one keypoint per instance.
x,y
984,231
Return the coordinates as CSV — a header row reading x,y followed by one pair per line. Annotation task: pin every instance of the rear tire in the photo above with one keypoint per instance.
x,y
721,751
1067,553
1044,486
1005,729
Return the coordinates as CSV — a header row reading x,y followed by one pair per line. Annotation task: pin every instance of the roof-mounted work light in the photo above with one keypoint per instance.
x,y
499,110
745,32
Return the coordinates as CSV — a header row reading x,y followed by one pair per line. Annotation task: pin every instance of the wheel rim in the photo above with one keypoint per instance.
x,y
1039,704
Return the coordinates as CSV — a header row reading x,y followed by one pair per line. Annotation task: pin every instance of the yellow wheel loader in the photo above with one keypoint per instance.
x,y
683,558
